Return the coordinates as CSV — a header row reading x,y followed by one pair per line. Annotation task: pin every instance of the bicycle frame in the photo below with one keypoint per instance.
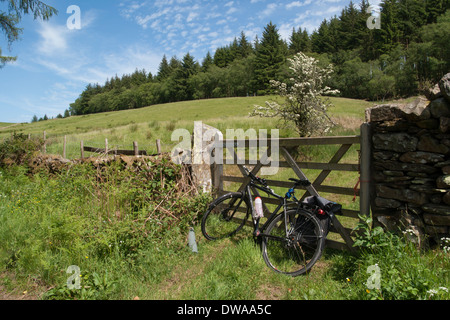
x,y
257,231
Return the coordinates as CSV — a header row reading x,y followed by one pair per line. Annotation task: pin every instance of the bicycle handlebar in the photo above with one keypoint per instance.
x,y
303,183
253,177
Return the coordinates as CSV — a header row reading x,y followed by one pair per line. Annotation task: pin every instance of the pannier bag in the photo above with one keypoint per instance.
x,y
322,208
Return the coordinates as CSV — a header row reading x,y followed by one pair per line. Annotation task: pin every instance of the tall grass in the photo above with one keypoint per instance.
x,y
102,220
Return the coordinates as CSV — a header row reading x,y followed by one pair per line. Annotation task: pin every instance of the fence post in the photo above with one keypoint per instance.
x,y
217,173
365,165
158,146
45,144
135,147
82,149
106,145
64,147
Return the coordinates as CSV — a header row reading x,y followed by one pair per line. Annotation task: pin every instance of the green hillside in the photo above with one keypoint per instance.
x,y
145,125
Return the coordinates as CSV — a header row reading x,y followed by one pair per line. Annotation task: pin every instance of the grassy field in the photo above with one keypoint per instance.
x,y
157,122
49,223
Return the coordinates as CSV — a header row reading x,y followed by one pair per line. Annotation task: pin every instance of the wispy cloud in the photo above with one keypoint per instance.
x,y
184,25
53,38
297,4
270,8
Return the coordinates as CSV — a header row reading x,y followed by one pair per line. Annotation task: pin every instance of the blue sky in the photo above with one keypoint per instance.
x,y
55,63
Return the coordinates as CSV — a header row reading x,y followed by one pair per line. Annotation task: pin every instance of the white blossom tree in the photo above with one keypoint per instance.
x,y
305,106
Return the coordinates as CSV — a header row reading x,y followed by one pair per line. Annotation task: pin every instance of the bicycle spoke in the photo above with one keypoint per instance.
x,y
298,250
225,217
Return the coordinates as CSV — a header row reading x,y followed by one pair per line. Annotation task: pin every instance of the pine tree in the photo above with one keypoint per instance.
x,y
434,8
299,41
411,17
207,62
222,57
164,69
270,57
350,27
188,68
390,32
244,48
367,39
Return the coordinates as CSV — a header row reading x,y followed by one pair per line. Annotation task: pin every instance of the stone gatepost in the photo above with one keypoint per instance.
x,y
202,159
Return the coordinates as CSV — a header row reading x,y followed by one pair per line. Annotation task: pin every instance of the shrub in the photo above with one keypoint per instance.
x,y
304,106
19,149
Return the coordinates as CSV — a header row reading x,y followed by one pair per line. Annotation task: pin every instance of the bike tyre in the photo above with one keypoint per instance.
x,y
215,225
293,257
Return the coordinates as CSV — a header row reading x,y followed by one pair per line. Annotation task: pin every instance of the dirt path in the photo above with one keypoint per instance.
x,y
12,125
32,293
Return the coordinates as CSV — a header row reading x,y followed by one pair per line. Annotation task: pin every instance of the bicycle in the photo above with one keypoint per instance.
x,y
292,241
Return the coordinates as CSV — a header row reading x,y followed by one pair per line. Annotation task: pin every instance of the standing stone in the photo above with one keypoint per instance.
x,y
204,137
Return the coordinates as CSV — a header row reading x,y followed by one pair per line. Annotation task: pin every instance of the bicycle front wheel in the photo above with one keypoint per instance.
x,y
225,216
292,248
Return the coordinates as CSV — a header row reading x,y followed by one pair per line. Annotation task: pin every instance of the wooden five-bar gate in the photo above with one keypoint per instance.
x,y
285,144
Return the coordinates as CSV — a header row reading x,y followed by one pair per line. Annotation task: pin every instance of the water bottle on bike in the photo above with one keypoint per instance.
x,y
259,213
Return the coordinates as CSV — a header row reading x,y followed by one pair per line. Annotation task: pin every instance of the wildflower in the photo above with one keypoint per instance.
x,y
445,244
432,292
367,290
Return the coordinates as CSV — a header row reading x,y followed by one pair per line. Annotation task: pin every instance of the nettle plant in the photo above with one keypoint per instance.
x,y
305,105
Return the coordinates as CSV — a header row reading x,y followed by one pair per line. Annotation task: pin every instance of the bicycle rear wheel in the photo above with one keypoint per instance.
x,y
293,251
225,216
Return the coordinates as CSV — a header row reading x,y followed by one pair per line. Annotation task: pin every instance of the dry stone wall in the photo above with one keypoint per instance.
x,y
411,163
